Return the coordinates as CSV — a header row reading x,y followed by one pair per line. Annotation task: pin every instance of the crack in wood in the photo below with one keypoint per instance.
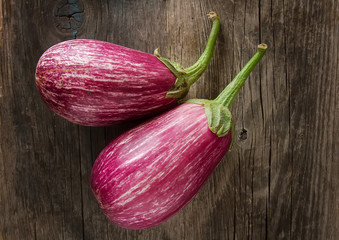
x,y
1,17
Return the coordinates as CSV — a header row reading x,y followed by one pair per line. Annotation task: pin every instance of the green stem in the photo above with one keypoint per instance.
x,y
227,96
186,77
197,69
217,111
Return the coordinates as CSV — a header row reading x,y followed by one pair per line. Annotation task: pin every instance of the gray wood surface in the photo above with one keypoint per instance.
x,y
280,181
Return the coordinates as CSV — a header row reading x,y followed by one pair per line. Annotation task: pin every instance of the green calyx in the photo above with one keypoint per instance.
x,y
217,111
186,77
219,117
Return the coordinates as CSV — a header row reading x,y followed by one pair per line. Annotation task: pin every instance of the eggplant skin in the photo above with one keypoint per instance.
x,y
96,83
149,173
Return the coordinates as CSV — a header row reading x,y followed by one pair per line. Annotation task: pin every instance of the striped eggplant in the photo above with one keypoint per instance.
x,y
96,83
149,173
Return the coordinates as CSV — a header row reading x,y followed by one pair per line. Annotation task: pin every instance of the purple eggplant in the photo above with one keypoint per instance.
x,y
96,83
149,173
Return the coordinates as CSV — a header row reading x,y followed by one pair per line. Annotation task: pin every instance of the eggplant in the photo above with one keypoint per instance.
x,y
97,83
147,174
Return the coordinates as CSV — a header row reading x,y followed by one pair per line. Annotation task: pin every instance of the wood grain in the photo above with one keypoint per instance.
x,y
280,181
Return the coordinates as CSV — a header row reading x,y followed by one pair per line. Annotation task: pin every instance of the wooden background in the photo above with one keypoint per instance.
x,y
281,181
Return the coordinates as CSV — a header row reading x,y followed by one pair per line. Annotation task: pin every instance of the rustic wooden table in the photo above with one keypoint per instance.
x,y
281,181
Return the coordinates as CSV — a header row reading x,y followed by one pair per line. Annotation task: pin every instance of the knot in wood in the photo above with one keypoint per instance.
x,y
243,135
69,16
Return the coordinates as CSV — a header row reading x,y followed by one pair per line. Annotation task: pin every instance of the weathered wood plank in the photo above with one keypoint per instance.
x,y
311,62
276,114
280,181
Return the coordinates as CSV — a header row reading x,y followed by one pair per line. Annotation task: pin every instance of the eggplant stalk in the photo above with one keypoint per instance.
x,y
186,77
217,111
